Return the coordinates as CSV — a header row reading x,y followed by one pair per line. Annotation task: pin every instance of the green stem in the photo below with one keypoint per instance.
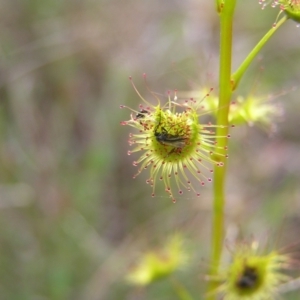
x,y
236,77
225,90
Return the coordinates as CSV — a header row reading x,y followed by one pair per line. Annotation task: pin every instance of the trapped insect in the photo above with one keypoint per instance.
x,y
164,137
248,279
168,139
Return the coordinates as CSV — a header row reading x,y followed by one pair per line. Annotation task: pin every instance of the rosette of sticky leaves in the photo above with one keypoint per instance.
x,y
255,110
253,274
173,144
251,110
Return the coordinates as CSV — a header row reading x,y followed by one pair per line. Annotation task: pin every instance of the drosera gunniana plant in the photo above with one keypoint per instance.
x,y
178,150
176,147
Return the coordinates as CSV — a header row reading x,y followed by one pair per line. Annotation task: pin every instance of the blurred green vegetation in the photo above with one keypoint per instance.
x,y
72,219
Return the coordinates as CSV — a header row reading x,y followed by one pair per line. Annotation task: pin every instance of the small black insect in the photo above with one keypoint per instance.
x,y
142,114
248,279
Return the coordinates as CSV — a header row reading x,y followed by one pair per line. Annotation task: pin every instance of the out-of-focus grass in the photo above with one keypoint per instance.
x,y
72,219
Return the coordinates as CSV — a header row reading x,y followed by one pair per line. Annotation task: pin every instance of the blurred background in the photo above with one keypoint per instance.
x,y
72,219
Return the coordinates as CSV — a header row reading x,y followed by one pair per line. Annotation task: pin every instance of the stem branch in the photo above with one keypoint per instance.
x,y
236,77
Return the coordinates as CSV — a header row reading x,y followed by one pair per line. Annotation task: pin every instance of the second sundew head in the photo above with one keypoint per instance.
x,y
290,7
175,147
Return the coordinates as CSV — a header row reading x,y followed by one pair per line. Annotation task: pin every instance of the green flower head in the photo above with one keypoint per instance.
x,y
254,110
160,263
290,7
174,145
250,110
253,275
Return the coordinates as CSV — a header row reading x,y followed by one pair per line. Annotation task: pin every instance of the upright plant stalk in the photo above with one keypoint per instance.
x,y
225,91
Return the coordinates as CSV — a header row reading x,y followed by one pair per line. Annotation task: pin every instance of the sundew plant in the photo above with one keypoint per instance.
x,y
177,149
